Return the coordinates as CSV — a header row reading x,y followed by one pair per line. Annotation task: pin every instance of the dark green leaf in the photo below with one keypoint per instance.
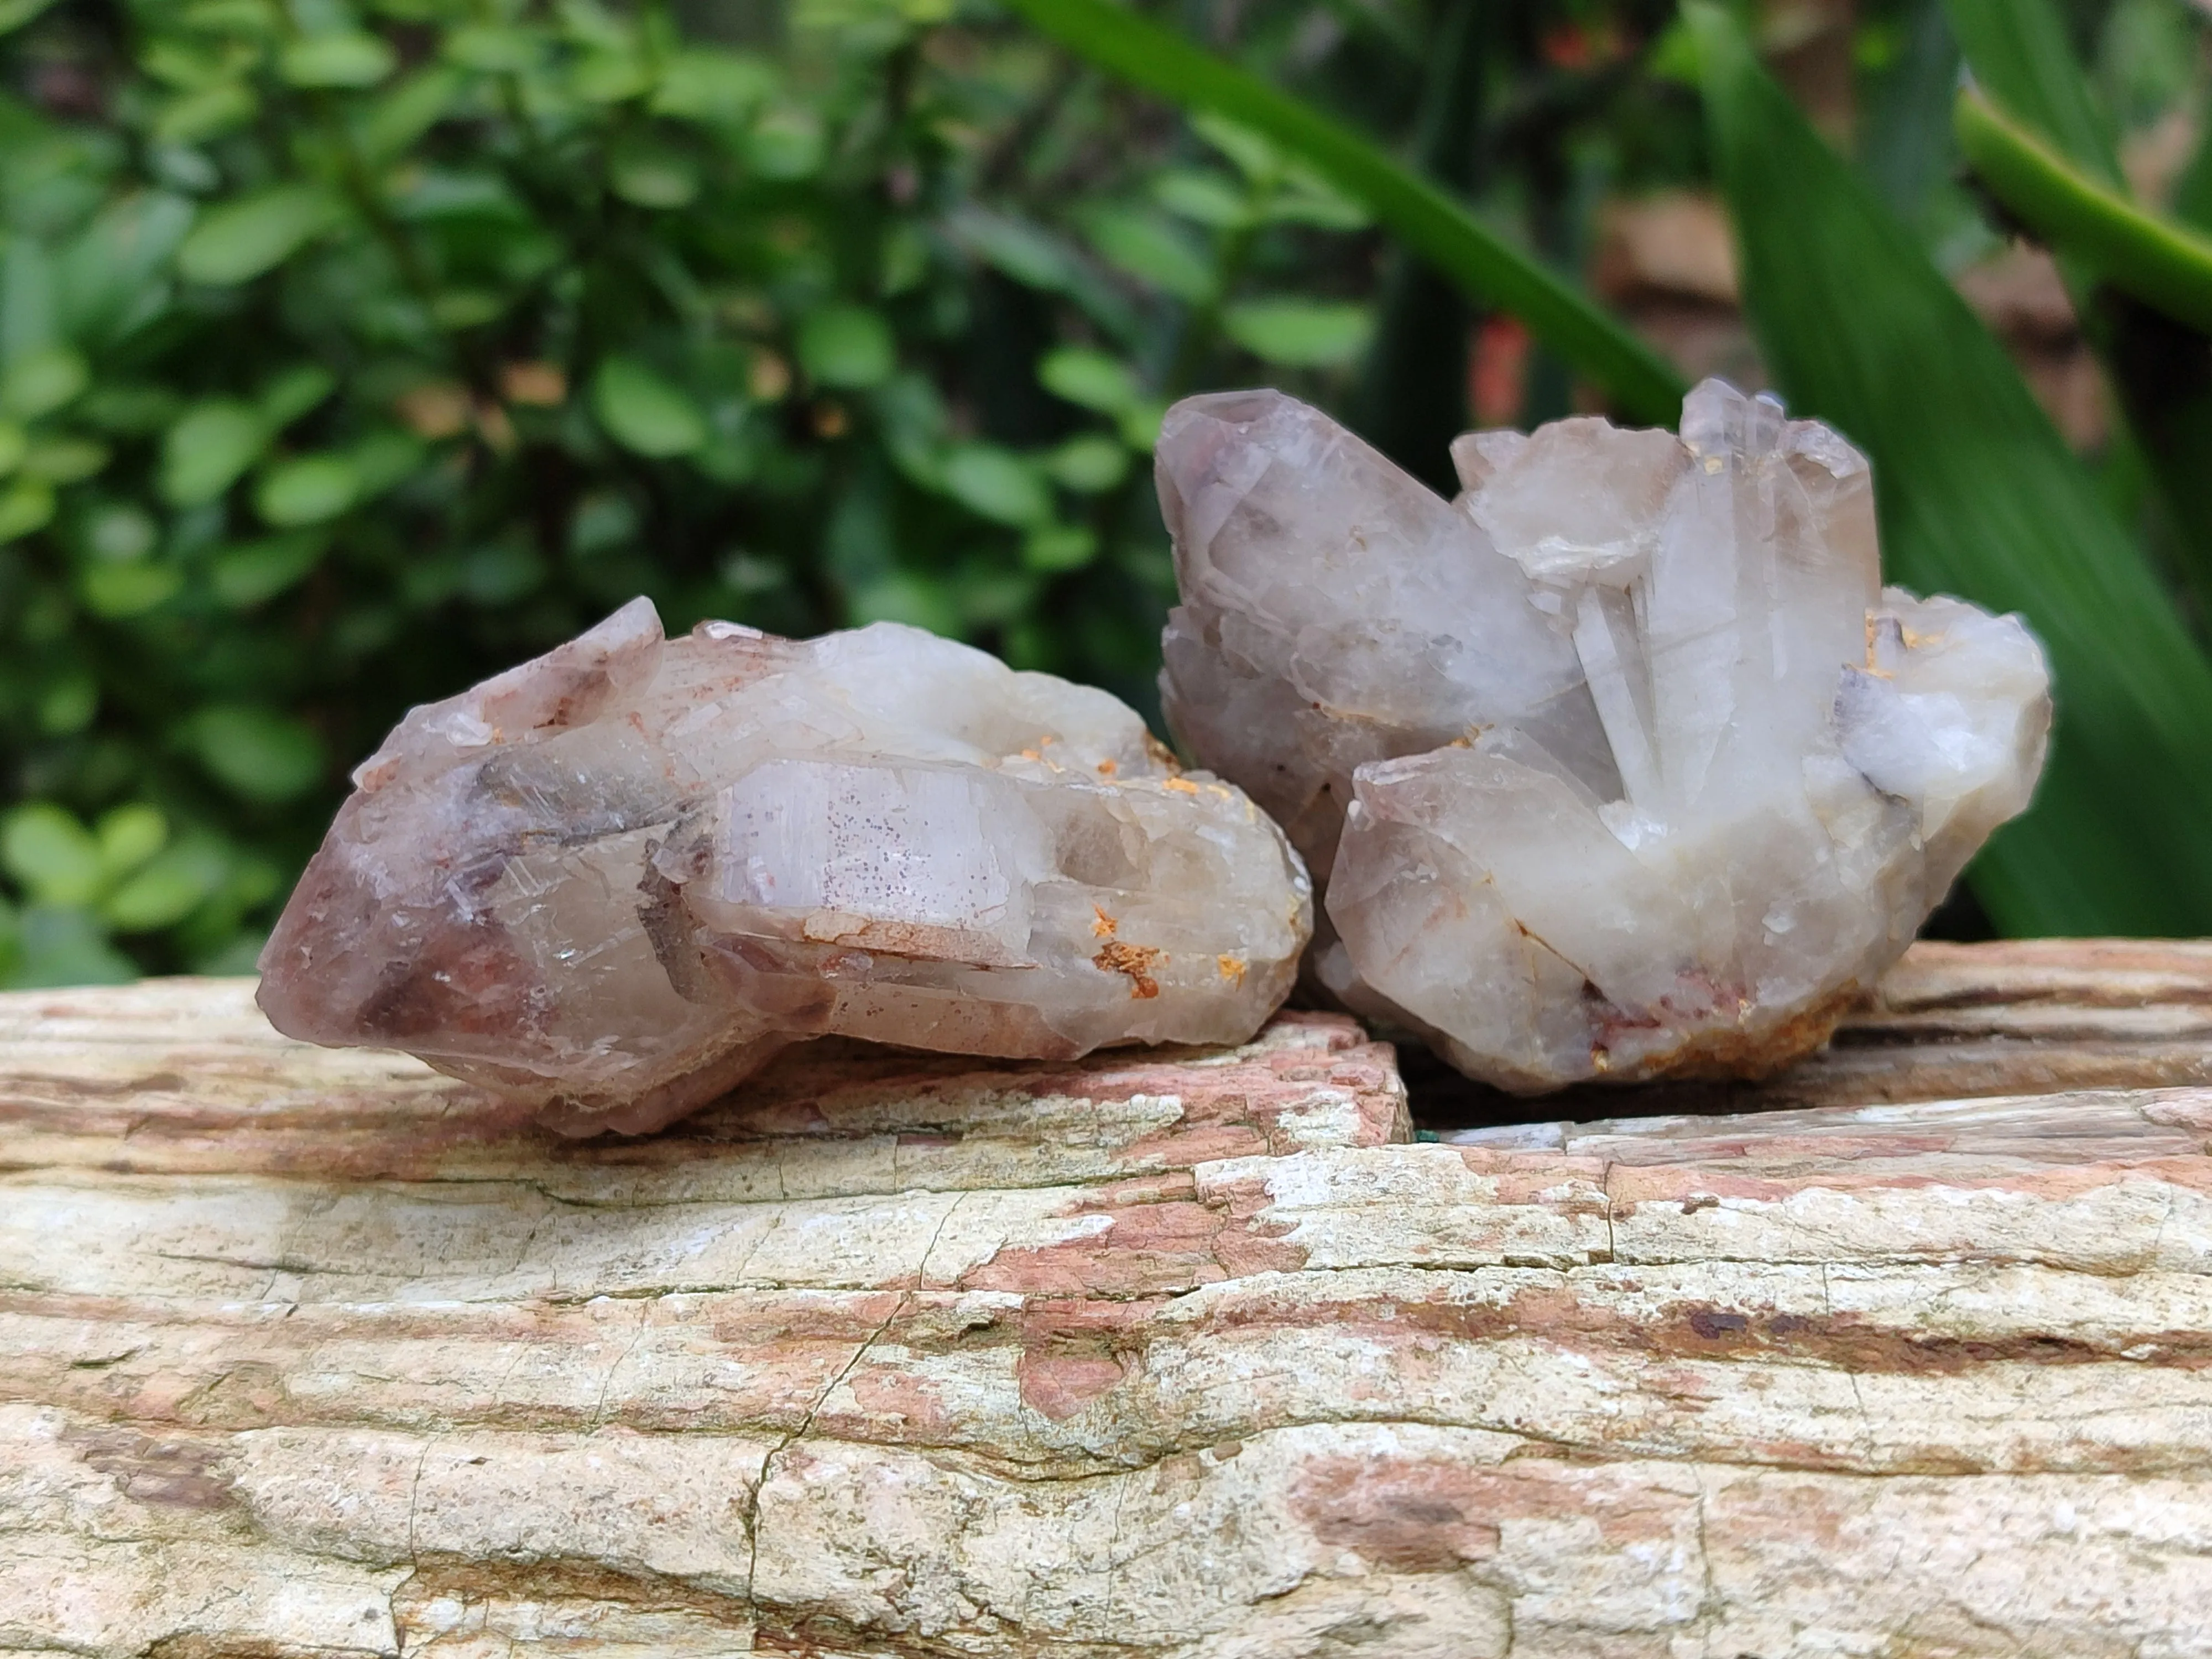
x,y
651,175
1055,548
256,752
243,577
61,945
41,381
292,392
846,346
1430,222
118,533
1090,379
168,889
1088,465
346,58
240,240
209,449
120,590
1301,333
64,459
207,112
2018,52
55,857
704,83
2166,266
309,490
1152,250
997,484
26,504
1979,496
128,835
643,412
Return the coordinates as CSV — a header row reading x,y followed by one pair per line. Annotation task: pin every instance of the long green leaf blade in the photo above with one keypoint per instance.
x,y
2018,51
2164,266
1423,217
1979,496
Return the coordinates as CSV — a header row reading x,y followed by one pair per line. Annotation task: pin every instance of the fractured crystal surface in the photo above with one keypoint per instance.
x,y
1623,763
614,880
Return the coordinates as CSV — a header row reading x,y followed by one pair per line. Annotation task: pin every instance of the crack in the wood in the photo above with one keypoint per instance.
x,y
813,1410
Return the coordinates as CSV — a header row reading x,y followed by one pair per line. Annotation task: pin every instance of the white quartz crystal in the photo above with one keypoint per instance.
x,y
616,879
1625,763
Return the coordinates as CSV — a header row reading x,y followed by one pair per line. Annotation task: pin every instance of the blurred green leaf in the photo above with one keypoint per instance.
x,y
53,855
343,59
1088,379
118,591
206,113
64,459
2020,55
1015,248
998,484
2164,266
109,278
1204,197
308,489
1089,464
609,77
651,175
68,704
1979,496
1427,220
645,413
167,891
494,48
292,392
256,752
846,346
42,381
26,504
706,83
245,576
119,533
240,240
13,13
1300,333
785,144
62,944
402,115
1055,548
901,597
209,449
1151,249
128,835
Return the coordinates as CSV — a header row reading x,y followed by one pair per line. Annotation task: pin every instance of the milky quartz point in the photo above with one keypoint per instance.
x,y
614,880
1623,763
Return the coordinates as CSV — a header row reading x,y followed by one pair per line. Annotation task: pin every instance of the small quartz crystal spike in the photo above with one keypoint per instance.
x,y
614,880
1623,764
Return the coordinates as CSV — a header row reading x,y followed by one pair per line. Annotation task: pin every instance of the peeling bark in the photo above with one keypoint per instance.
x,y
1193,1354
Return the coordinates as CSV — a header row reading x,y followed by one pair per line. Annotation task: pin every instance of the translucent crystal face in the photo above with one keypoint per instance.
x,y
1625,763
618,878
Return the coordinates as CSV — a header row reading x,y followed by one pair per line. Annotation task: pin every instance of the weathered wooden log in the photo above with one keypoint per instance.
x,y
1192,1354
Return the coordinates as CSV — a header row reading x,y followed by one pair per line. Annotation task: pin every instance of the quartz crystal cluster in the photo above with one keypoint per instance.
x,y
1622,764
616,879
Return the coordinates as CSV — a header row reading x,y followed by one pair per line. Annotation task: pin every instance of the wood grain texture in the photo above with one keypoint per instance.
x,y
1192,1354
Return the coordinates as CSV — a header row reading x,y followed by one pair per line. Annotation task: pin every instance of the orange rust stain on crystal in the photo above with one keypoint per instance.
x,y
1134,960
1104,927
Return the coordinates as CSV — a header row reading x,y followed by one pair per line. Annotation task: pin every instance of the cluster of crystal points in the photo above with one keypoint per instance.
x,y
614,880
1622,764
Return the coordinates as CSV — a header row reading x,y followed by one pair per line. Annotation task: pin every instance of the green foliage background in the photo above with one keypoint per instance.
x,y
350,352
